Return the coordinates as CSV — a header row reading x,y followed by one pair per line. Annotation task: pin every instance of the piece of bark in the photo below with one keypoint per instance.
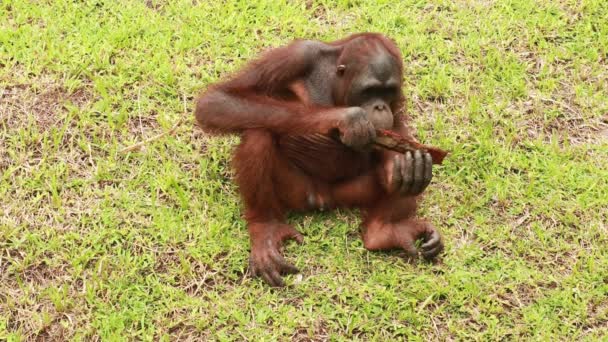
x,y
395,142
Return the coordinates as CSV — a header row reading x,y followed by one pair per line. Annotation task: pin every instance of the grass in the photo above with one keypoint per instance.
x,y
150,245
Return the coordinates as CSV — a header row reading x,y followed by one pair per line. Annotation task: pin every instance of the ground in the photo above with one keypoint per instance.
x,y
151,245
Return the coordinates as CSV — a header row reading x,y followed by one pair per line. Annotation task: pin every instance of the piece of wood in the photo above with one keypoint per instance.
x,y
395,142
139,145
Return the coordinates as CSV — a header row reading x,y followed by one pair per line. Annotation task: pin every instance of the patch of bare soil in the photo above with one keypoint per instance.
x,y
41,103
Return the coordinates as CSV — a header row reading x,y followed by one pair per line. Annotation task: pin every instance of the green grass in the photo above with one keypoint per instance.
x,y
151,244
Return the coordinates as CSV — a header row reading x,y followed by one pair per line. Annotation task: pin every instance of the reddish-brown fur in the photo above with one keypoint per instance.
x,y
290,159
